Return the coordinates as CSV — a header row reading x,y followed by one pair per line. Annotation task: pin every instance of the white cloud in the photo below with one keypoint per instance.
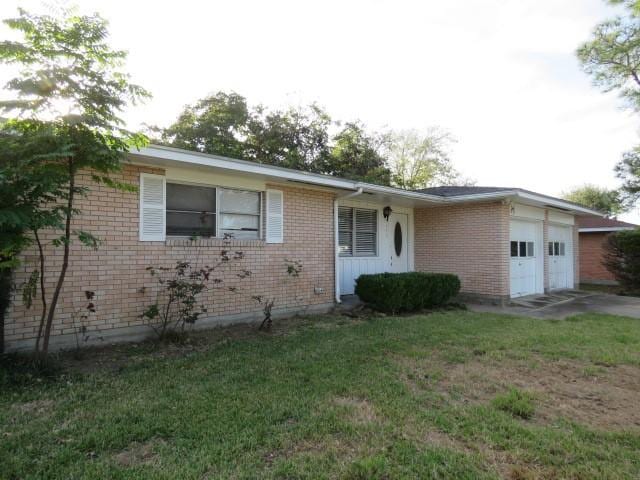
x,y
500,75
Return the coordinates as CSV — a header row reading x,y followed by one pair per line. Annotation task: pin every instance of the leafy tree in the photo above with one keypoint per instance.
x,y
296,138
612,59
602,199
223,124
216,124
301,138
30,182
71,84
356,155
622,258
420,160
632,5
628,169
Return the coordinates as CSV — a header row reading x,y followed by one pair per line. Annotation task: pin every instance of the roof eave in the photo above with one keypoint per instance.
x,y
170,154
541,200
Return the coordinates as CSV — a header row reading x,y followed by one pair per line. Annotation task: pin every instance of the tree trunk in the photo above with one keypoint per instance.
x,y
65,261
43,296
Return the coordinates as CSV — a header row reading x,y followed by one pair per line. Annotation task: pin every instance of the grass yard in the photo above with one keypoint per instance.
x,y
449,395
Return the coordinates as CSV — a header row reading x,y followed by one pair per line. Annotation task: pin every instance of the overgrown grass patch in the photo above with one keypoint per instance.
x,y
517,402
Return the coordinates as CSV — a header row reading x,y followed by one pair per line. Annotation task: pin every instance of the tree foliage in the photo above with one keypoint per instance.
x,y
223,124
628,169
216,124
607,201
357,155
622,258
612,58
296,137
421,160
68,98
307,138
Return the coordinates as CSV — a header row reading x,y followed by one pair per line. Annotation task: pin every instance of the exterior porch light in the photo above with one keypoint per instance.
x,y
386,211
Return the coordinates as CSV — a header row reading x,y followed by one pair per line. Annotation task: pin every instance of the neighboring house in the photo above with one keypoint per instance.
x,y
593,234
501,242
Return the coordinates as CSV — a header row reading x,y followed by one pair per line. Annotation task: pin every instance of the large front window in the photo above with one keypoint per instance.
x,y
209,212
357,232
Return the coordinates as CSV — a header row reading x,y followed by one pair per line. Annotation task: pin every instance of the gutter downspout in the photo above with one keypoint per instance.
x,y
336,258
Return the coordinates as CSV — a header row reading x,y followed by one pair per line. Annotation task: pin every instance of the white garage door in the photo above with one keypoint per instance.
x,y
525,252
560,248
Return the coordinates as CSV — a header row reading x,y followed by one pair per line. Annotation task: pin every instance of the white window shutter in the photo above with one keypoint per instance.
x,y
152,207
275,216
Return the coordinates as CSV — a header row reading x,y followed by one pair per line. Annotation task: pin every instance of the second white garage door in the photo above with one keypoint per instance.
x,y
525,253
560,248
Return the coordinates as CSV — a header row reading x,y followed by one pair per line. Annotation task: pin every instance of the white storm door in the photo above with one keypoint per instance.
x,y
397,242
524,251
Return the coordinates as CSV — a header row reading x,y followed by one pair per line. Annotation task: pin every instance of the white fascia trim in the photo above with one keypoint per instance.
x,y
196,158
604,229
558,203
570,207
244,166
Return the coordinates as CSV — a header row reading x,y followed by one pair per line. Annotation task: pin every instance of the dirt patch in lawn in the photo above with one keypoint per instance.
x,y
359,410
336,444
35,407
603,398
506,464
139,453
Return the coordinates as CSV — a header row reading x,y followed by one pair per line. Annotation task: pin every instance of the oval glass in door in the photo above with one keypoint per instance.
x,y
397,239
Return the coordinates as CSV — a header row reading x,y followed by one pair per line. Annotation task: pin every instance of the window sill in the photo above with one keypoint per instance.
x,y
213,242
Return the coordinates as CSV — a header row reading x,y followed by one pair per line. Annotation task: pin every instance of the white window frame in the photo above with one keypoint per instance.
x,y
220,213
217,189
353,232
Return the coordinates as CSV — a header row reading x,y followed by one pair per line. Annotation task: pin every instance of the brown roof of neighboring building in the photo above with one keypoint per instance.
x,y
603,223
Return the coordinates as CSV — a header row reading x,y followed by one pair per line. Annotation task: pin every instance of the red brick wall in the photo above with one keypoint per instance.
x,y
470,240
116,271
591,257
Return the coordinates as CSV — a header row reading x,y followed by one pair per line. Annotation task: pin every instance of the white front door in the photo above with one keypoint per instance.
x,y
560,249
525,254
397,241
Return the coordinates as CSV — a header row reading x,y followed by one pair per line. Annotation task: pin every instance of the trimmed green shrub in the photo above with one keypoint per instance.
x,y
623,258
406,292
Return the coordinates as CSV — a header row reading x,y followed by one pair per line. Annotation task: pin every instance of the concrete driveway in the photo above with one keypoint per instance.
x,y
564,304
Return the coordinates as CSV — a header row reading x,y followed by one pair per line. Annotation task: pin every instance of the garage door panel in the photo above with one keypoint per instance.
x,y
560,251
525,255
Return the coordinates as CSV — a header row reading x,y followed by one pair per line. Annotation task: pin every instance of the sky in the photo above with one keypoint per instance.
x,y
500,75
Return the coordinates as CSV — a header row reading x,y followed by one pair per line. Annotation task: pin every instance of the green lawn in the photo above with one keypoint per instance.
x,y
448,395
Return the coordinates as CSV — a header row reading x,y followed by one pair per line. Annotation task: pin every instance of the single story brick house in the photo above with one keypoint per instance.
x,y
501,242
593,232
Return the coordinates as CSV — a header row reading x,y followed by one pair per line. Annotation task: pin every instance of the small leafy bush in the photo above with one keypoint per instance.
x,y
622,258
406,292
516,402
